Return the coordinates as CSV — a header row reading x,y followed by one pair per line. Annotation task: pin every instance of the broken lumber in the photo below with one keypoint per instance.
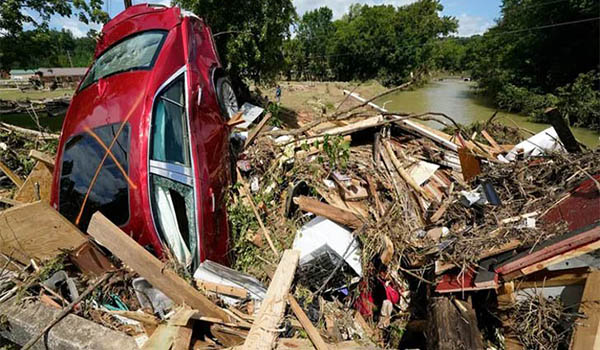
x,y
587,330
340,216
12,176
36,231
403,173
253,134
37,186
264,331
42,157
146,265
542,279
311,331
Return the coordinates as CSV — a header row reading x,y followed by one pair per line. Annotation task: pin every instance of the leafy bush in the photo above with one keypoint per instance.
x,y
579,102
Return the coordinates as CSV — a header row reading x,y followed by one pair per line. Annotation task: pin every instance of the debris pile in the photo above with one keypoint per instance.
x,y
359,229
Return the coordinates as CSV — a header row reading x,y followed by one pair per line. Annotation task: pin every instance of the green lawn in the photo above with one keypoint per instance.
x,y
33,94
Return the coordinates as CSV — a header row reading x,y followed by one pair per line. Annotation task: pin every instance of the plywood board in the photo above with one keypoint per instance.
x,y
36,231
587,330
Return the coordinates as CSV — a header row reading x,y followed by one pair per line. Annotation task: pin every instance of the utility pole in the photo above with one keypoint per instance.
x,y
127,3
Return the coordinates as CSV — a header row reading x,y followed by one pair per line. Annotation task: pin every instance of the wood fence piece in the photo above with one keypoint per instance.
x,y
332,213
36,231
146,265
587,331
311,331
42,157
253,134
264,331
12,176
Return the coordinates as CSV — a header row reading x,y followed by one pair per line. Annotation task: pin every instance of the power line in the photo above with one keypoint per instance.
x,y
547,26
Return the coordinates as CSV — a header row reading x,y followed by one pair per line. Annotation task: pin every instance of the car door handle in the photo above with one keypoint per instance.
x,y
199,98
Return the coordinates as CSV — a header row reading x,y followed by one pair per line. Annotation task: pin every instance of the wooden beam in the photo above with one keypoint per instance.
x,y
253,134
403,173
340,216
12,176
222,289
42,157
146,265
496,147
36,231
311,331
587,331
264,332
561,257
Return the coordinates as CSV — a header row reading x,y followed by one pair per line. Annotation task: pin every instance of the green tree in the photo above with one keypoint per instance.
x,y
14,14
386,42
249,34
315,30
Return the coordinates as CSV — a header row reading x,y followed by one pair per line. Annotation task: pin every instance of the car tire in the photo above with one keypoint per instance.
x,y
226,98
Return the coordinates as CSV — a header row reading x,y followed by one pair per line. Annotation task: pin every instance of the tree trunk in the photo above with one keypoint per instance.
x,y
451,329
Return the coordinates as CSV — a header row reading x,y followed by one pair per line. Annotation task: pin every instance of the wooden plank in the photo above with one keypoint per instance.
x,y
403,173
337,215
36,231
162,338
11,202
149,267
12,176
183,338
311,331
492,142
42,157
222,289
264,332
587,330
253,134
37,186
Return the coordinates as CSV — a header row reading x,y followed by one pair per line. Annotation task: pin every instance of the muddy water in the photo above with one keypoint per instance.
x,y
457,99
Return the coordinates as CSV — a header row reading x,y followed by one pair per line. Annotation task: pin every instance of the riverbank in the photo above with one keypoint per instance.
x,y
449,95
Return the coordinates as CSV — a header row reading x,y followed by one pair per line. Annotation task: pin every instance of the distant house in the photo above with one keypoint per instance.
x,y
21,74
61,76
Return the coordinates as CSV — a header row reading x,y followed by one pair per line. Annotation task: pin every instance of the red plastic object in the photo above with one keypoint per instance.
x,y
129,96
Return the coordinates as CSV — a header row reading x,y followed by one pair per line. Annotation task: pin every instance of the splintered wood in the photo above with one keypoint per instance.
x,y
264,331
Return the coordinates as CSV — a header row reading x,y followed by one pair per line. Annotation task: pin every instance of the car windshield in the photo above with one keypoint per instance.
x,y
136,52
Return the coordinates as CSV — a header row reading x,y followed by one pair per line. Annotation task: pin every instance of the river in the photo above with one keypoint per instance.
x,y
456,98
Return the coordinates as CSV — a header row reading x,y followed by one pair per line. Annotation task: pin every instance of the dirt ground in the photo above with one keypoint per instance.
x,y
310,96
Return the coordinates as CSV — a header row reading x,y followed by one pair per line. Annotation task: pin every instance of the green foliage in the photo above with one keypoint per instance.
x,y
13,15
579,102
249,34
46,48
525,65
384,42
337,151
275,110
241,222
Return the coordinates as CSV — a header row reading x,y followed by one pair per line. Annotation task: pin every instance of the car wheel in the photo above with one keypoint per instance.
x,y
226,97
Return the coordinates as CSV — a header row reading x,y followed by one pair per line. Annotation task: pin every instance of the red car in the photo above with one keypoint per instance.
x,y
145,140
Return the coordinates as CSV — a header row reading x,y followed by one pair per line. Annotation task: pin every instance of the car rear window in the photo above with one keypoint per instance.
x,y
134,53
110,193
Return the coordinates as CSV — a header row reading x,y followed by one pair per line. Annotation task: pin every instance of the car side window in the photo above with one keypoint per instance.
x,y
170,141
172,199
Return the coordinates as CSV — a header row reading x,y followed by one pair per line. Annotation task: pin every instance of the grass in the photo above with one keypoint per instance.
x,y
17,95
306,96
